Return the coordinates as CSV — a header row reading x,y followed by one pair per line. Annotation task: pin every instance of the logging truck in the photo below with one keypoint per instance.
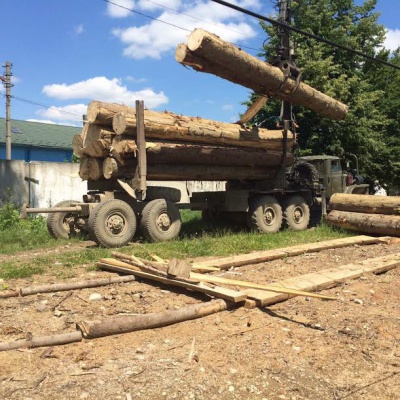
x,y
264,187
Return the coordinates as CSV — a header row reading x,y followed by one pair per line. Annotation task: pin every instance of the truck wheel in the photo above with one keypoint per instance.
x,y
265,215
297,213
112,223
63,225
161,221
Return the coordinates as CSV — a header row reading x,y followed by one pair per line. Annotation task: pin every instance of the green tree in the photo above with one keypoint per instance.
x,y
344,76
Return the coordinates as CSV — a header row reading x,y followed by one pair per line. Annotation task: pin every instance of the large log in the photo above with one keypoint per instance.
x,y
389,205
178,128
91,169
208,53
112,170
118,325
378,224
165,153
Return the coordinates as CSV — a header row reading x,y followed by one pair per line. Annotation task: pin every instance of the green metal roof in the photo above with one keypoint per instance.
x,y
26,133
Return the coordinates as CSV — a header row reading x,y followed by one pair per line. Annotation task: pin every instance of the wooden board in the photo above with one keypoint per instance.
x,y
326,278
219,292
269,255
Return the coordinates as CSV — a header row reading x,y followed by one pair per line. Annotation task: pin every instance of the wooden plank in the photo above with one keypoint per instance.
x,y
269,255
223,293
326,278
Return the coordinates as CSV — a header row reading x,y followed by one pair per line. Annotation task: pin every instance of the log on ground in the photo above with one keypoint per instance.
x,y
124,324
167,126
389,205
378,224
210,54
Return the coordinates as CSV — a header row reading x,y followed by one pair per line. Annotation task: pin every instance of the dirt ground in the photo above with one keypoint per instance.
x,y
303,348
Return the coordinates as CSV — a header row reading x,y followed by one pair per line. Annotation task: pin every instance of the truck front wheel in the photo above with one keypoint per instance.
x,y
112,223
296,213
265,215
161,220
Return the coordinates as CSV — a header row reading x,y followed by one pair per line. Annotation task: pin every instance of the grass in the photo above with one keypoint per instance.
x,y
196,240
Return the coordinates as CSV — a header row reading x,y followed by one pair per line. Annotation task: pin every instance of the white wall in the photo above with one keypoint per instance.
x,y
44,184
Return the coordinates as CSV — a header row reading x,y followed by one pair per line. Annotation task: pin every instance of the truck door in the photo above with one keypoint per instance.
x,y
336,182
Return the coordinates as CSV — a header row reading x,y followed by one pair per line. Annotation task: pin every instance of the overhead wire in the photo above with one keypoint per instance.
x,y
301,32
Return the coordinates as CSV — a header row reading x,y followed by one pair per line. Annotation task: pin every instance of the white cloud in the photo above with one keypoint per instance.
x,y
392,41
156,38
46,121
120,9
79,29
104,89
72,112
228,107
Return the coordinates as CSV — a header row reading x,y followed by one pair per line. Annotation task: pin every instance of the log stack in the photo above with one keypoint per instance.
x,y
379,215
177,147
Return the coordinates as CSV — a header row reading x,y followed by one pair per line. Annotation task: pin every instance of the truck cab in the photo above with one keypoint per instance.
x,y
332,177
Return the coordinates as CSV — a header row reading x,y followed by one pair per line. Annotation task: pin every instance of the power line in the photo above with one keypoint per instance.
x,y
301,32
47,107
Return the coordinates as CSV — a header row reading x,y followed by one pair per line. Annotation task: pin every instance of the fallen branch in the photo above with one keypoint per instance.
x,y
60,287
41,341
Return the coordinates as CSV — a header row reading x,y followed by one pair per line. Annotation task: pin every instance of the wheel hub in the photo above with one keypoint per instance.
x,y
164,222
115,223
298,214
269,216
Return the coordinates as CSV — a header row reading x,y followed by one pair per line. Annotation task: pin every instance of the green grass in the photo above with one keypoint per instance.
x,y
197,239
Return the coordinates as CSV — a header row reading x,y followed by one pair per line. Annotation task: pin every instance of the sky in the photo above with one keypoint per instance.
x,y
65,53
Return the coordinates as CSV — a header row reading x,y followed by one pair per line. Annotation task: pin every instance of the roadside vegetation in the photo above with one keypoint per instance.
x,y
198,239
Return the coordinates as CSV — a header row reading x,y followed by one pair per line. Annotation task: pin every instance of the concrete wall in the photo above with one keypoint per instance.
x,y
44,184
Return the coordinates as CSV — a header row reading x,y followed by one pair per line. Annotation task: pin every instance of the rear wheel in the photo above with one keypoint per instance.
x,y
63,225
297,213
112,223
161,220
265,215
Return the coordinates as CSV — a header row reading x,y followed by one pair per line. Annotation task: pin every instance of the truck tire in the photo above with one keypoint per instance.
x,y
63,225
161,220
265,215
112,223
296,213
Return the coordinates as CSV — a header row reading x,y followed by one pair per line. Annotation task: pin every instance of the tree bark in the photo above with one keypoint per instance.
x,y
97,148
77,146
178,128
377,224
208,53
389,205
41,341
112,170
91,168
118,325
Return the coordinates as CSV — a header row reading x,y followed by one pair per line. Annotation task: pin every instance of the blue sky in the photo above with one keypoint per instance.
x,y
68,52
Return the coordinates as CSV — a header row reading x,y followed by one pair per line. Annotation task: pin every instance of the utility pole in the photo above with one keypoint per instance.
x,y
6,79
286,51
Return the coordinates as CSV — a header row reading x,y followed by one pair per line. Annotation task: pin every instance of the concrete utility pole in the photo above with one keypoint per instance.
x,y
6,79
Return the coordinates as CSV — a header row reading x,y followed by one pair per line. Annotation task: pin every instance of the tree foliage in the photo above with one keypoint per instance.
x,y
371,129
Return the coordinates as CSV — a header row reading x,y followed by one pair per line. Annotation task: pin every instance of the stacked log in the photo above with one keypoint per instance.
x,y
177,147
206,52
378,215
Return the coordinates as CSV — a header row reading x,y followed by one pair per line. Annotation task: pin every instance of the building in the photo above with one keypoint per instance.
x,y
35,141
